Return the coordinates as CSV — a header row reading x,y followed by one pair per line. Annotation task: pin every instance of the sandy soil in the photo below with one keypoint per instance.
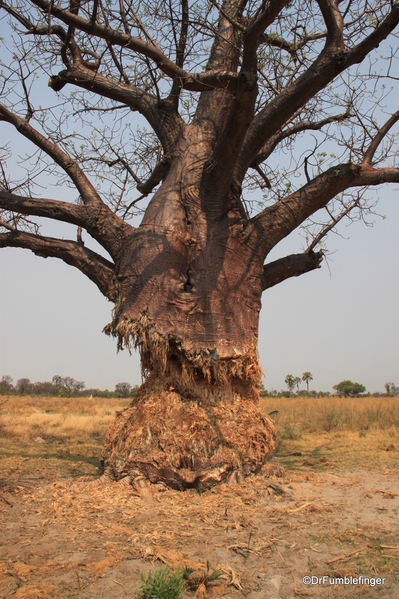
x,y
69,539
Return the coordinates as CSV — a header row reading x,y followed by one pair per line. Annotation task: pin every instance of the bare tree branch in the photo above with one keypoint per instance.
x,y
368,157
86,189
110,237
279,220
180,49
54,209
134,97
334,22
290,266
333,223
95,267
330,63
221,165
191,81
299,127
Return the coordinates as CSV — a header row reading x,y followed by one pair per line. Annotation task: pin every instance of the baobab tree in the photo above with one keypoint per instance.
x,y
224,88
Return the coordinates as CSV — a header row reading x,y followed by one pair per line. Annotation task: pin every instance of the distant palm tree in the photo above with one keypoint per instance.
x,y
290,382
297,380
306,377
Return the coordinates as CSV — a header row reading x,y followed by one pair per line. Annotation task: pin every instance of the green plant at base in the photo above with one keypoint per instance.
x,y
162,584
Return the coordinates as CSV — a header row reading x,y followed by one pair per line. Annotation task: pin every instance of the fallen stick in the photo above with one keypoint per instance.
x,y
344,557
302,507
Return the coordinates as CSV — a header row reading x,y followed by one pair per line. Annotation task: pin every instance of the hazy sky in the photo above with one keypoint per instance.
x,y
337,326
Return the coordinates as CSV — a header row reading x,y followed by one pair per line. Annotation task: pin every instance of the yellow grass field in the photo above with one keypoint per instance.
x,y
325,504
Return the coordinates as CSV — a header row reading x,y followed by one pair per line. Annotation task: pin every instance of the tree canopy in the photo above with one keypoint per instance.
x,y
349,389
301,80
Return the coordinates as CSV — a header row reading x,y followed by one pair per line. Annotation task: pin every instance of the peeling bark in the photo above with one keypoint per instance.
x,y
192,436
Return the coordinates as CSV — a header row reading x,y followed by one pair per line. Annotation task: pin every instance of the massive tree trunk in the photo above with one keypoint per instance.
x,y
187,282
190,289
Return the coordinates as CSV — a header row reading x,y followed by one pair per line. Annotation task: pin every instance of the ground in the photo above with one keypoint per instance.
x,y
325,504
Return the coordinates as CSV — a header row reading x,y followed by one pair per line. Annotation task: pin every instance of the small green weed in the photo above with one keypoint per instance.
x,y
162,584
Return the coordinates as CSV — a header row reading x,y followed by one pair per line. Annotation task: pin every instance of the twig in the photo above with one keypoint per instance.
x,y
298,509
344,557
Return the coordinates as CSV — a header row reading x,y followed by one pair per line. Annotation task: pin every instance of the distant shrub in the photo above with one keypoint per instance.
x,y
290,431
331,418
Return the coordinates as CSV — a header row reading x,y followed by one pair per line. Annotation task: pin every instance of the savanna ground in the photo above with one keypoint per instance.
x,y
333,512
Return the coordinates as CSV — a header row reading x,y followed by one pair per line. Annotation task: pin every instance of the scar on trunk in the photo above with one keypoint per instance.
x,y
166,356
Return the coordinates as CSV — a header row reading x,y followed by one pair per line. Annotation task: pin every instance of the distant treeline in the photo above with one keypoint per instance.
x,y
345,388
62,386
66,386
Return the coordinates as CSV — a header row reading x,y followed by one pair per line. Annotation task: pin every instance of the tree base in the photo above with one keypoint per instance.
x,y
168,436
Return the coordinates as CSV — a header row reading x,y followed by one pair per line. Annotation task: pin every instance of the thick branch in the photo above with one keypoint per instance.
x,y
85,188
334,22
290,266
192,81
277,221
155,178
368,157
217,178
258,26
137,99
330,63
110,236
54,209
213,108
180,49
183,34
94,266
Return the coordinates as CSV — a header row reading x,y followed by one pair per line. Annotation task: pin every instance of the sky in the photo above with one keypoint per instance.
x,y
338,322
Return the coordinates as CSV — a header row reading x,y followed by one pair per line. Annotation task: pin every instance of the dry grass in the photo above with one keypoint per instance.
x,y
315,415
347,432
24,417
52,438
72,540
55,438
